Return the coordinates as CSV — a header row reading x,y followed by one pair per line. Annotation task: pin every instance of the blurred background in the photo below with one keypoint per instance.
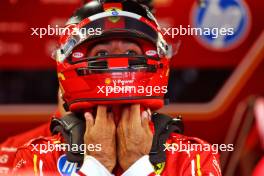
x,y
216,85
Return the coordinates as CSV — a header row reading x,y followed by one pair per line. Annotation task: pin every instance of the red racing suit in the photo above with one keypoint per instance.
x,y
39,157
9,147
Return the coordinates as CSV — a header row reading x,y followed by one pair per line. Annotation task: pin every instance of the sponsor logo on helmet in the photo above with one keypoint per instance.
x,y
123,82
151,53
78,54
114,12
228,14
107,80
115,15
65,167
118,81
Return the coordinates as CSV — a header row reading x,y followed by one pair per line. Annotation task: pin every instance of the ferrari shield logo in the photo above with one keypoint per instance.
x,y
159,168
114,18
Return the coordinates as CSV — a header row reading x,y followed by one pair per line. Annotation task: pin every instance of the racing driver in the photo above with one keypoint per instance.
x,y
112,81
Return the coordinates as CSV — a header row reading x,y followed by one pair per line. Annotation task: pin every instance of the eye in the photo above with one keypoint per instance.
x,y
131,52
102,53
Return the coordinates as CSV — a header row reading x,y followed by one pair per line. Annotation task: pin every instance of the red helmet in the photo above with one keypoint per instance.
x,y
113,79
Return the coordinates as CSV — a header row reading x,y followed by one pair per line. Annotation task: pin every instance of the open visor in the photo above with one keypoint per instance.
x,y
111,24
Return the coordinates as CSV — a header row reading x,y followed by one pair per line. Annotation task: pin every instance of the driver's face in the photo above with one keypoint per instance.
x,y
115,47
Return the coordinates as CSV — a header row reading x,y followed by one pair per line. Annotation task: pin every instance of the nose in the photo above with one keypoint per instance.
x,y
117,47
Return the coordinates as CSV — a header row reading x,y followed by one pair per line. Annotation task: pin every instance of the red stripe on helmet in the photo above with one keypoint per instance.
x,y
83,22
66,33
151,24
117,62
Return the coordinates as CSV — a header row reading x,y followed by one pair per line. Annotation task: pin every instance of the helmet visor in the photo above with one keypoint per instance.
x,y
121,23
